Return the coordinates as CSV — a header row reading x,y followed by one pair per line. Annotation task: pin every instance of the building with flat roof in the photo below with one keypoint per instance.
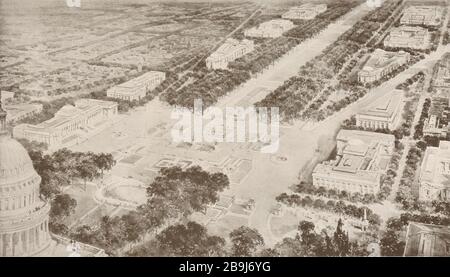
x,y
434,178
441,76
306,11
385,113
70,124
422,15
362,157
231,50
137,88
427,240
270,29
380,64
21,111
413,37
439,115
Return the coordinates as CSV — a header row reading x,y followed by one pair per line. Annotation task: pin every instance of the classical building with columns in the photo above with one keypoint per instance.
x,y
362,157
137,88
427,240
24,215
385,113
380,64
71,124
231,50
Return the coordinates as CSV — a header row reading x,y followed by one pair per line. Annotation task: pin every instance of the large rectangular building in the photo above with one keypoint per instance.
x,y
270,29
137,88
441,76
231,50
385,113
412,37
380,64
306,12
439,115
70,124
422,15
362,157
427,240
435,173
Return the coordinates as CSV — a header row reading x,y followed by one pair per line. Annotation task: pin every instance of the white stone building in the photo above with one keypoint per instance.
x,y
231,50
70,124
408,37
434,175
380,64
385,113
422,15
362,157
137,88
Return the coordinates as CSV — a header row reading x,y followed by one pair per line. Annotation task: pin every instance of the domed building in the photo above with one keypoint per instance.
x,y
24,215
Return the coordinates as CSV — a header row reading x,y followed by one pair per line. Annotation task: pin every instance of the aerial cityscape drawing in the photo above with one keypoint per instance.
x,y
224,128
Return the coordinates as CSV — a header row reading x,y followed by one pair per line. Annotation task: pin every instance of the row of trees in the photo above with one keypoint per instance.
x,y
192,239
339,207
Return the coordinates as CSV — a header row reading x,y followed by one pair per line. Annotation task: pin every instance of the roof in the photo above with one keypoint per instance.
x,y
435,167
141,80
382,59
416,229
384,107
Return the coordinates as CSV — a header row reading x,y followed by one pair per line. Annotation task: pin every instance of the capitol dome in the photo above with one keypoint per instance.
x,y
23,214
15,163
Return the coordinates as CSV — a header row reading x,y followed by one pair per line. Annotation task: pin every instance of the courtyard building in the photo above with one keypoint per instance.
x,y
422,15
362,157
435,173
439,115
270,29
385,113
380,64
412,37
427,240
231,50
137,88
306,12
70,124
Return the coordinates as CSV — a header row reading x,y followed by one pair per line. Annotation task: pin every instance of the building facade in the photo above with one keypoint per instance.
x,y
362,157
408,37
441,76
270,29
385,113
380,64
434,182
306,12
137,88
22,111
436,125
231,50
427,240
422,15
70,124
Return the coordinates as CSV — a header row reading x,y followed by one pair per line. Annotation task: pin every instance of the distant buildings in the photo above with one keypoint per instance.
x,y
385,113
441,77
422,15
18,112
408,37
439,115
434,175
362,157
381,63
70,123
231,50
6,95
427,240
306,12
137,88
270,29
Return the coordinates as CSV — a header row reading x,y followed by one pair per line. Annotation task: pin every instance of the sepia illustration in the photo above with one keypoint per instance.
x,y
224,128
